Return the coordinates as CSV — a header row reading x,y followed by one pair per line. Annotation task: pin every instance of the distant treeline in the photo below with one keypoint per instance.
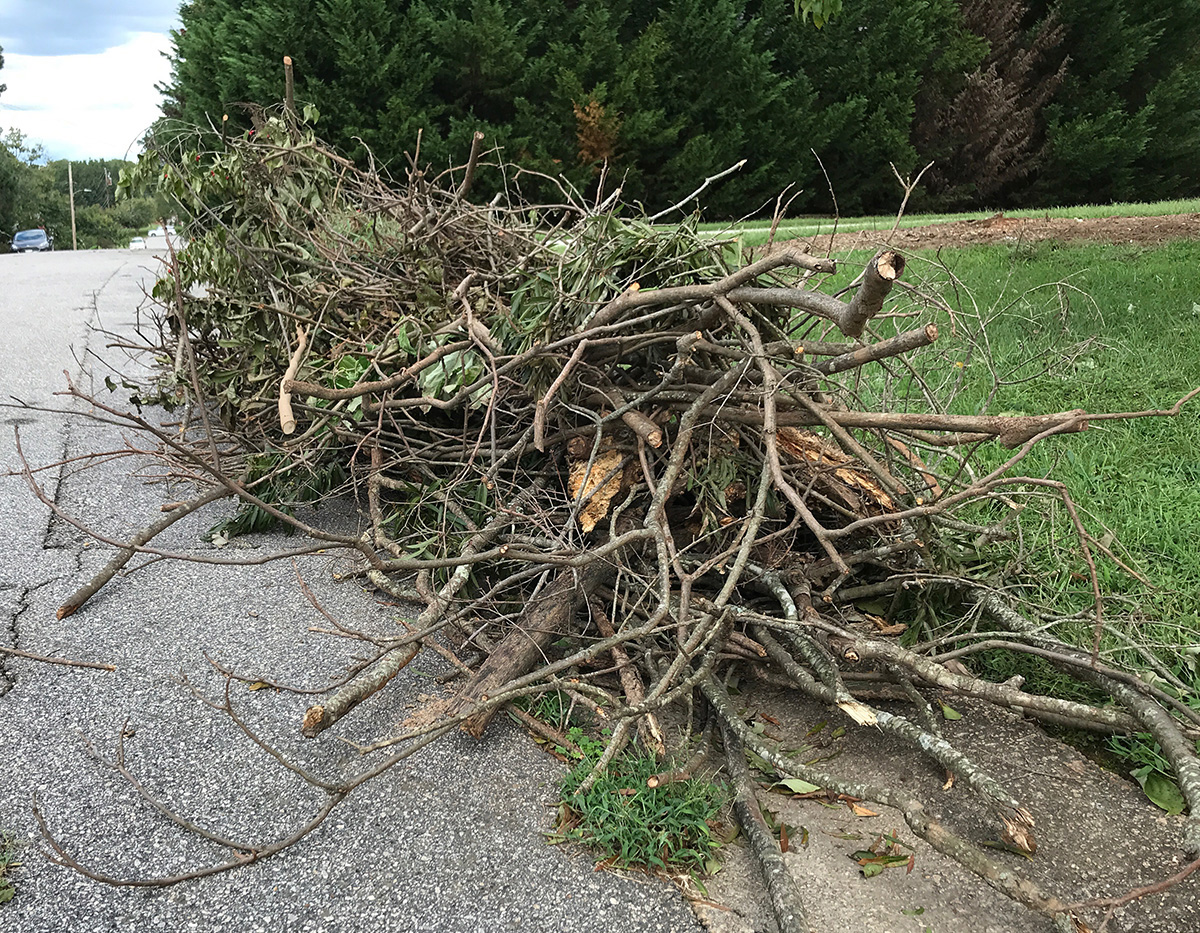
x,y
36,195
1017,103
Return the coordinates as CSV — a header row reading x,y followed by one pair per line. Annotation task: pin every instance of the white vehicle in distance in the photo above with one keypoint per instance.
x,y
137,243
159,237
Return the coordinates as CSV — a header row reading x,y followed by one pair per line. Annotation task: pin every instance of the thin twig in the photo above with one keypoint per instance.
x,y
67,662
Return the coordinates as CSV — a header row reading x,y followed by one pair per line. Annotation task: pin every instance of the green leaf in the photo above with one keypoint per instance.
x,y
797,786
872,864
821,11
1160,789
948,712
431,380
350,369
757,761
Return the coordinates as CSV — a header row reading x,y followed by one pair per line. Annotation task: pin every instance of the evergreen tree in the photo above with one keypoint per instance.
x,y
987,135
1167,85
867,68
723,98
655,96
1122,127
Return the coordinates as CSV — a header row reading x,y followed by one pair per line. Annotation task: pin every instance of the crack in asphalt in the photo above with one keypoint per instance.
x,y
58,533
8,678
55,532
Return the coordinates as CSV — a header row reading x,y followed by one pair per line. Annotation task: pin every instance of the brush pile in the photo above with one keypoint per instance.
x,y
606,457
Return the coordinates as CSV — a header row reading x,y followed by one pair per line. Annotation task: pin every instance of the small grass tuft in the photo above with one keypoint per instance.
x,y
554,709
631,825
9,849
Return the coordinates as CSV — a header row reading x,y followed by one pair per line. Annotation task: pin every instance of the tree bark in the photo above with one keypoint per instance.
x,y
781,887
143,537
550,616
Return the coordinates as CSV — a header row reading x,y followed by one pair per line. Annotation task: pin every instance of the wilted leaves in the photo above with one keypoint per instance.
x,y
887,851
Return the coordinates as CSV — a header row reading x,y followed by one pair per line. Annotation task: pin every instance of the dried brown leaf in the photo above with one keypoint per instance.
x,y
585,483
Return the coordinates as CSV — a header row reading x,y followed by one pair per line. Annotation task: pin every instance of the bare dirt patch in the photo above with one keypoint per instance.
x,y
1098,837
1143,231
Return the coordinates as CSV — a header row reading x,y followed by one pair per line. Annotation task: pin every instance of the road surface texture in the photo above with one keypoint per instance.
x,y
449,840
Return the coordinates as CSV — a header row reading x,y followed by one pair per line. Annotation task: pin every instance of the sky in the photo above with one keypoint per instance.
x,y
81,73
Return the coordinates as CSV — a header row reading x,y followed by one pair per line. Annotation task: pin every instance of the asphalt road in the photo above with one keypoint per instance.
x,y
449,840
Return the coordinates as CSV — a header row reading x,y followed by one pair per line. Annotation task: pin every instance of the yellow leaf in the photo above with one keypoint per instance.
x,y
584,484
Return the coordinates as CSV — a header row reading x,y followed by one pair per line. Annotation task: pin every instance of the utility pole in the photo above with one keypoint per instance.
x,y
71,192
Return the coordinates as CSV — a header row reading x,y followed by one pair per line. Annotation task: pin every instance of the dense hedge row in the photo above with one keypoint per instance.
x,y
1018,103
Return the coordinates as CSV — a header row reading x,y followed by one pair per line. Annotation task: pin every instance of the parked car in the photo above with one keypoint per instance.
x,y
32,241
137,243
159,237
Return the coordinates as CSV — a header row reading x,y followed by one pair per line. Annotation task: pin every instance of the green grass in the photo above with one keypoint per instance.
x,y
664,828
1122,334
1107,329
628,824
754,232
9,848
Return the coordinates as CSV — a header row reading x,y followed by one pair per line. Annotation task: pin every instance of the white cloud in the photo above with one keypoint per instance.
x,y
86,106
79,27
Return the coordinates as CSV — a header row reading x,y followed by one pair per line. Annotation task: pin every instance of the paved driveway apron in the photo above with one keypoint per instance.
x,y
449,840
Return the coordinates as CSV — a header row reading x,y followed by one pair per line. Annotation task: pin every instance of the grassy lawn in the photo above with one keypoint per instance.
x,y
1140,308
1137,313
754,232
1104,328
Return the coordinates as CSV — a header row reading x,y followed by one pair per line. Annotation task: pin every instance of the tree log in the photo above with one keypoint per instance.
x,y
548,617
